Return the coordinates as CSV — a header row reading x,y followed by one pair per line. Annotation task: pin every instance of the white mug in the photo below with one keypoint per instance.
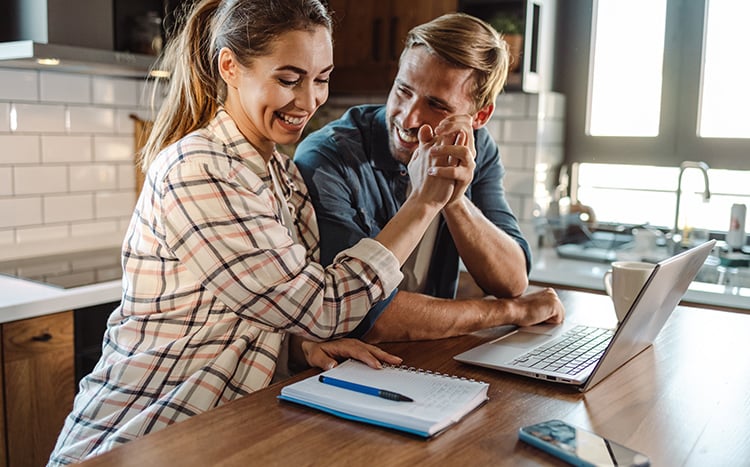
x,y
623,283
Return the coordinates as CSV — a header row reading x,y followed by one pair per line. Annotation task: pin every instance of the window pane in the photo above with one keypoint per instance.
x,y
625,94
726,71
629,194
637,194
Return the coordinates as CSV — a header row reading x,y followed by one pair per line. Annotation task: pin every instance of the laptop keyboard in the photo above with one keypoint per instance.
x,y
570,353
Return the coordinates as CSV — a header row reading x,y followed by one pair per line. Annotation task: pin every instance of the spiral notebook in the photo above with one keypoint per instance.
x,y
439,401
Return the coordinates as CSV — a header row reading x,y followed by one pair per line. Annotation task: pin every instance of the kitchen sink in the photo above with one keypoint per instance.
x,y
712,272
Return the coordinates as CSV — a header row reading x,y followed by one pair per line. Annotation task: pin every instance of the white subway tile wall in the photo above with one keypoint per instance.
x,y
19,85
61,149
20,211
39,180
528,128
66,159
39,118
4,116
41,234
65,87
19,149
66,163
6,181
68,208
97,120
114,91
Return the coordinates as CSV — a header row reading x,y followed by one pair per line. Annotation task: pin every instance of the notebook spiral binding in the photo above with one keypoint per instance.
x,y
412,369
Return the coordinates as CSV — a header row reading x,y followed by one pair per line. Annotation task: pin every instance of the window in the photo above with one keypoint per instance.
x,y
636,194
624,102
664,82
725,94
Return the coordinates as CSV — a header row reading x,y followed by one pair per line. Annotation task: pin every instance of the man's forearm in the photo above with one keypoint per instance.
x,y
412,316
493,258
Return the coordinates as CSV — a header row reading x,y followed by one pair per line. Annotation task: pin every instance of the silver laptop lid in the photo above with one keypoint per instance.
x,y
652,307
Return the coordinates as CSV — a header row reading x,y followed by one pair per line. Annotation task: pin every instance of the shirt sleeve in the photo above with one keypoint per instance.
x,y
337,195
341,220
226,232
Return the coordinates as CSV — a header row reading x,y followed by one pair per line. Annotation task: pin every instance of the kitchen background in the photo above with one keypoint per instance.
x,y
68,179
66,167
67,176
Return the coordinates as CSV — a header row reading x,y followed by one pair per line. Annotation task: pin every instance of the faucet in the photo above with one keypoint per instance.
x,y
703,167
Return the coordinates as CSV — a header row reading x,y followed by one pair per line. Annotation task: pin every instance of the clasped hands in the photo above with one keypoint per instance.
x,y
442,167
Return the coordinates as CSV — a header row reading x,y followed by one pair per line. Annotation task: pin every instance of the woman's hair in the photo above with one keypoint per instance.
x,y
196,90
466,42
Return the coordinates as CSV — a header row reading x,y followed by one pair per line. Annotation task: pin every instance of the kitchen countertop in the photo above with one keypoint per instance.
x,y
21,299
550,269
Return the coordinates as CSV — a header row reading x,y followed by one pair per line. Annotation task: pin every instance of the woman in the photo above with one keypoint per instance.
x,y
220,256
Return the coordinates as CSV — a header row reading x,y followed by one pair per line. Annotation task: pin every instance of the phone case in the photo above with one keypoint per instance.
x,y
552,449
560,429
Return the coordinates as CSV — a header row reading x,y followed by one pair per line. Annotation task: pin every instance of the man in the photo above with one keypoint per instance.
x,y
357,171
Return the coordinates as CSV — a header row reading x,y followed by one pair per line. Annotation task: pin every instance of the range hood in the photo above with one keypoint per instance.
x,y
82,36
54,57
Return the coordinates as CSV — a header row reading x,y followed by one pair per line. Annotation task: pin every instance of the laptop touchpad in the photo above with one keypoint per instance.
x,y
524,340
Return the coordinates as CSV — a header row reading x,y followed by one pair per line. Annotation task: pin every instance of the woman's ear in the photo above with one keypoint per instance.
x,y
228,68
483,116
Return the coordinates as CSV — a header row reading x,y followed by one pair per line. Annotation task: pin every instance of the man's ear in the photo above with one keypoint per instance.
x,y
483,116
228,68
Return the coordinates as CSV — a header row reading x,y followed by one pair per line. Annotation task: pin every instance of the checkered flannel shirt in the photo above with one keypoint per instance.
x,y
212,281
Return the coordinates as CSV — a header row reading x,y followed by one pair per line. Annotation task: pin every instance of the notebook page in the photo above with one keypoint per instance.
x,y
439,400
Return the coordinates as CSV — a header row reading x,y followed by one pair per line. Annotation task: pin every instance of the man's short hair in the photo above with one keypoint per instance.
x,y
466,42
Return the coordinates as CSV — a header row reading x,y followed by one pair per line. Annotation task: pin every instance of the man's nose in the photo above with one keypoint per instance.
x,y
413,115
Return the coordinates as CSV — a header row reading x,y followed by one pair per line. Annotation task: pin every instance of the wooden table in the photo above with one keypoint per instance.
x,y
660,403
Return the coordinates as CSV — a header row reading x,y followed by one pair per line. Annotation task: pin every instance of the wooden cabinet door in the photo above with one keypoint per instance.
x,y
39,376
360,45
369,37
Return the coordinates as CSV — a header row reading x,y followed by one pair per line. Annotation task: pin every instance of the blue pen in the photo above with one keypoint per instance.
x,y
390,395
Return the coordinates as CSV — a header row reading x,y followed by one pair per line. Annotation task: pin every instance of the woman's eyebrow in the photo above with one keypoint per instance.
x,y
301,71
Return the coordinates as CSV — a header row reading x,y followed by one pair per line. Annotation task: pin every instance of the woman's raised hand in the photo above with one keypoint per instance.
x,y
422,169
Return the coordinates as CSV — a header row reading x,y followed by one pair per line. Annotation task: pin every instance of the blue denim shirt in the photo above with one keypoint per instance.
x,y
357,187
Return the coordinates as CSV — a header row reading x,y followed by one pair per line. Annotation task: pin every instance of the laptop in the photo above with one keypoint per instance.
x,y
536,351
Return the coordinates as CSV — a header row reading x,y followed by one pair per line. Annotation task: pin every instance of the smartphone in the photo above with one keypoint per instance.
x,y
578,446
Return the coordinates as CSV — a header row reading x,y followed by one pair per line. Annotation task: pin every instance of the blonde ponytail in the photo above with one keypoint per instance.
x,y
193,94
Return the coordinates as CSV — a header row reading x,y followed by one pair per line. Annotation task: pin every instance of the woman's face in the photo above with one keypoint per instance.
x,y
272,100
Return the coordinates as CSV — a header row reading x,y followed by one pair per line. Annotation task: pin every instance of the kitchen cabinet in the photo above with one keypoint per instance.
x,y
144,26
90,326
369,36
38,386
538,20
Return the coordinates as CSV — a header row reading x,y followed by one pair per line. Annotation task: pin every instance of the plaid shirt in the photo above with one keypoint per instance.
x,y
212,282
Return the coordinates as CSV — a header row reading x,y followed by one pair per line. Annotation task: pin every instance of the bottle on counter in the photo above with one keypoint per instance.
x,y
736,233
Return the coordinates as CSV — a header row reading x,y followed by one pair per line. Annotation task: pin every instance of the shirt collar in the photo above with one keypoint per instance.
x,y
225,130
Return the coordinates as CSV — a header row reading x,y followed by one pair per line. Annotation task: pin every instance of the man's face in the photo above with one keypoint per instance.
x,y
426,90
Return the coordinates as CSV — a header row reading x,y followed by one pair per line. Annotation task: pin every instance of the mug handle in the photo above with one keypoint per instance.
x,y
608,282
